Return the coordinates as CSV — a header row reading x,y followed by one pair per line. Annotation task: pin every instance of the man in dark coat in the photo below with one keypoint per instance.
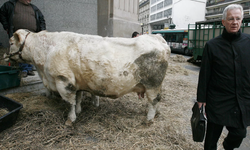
x,y
135,34
21,14
224,82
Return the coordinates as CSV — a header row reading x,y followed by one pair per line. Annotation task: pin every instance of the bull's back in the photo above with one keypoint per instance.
x,y
113,66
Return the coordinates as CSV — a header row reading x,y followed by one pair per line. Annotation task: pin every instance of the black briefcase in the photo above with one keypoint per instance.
x,y
198,123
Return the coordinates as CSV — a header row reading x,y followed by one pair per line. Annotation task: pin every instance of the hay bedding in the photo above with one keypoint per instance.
x,y
3,111
2,51
115,124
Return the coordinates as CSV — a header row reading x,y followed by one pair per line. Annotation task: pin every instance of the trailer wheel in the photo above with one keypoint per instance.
x,y
186,52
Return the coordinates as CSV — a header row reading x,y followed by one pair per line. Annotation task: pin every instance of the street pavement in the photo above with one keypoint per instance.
x,y
246,142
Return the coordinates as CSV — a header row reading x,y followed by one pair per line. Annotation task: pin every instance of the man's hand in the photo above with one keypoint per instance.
x,y
200,104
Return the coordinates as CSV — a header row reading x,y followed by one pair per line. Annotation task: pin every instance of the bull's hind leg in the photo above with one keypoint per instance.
x,y
95,100
68,93
154,96
78,101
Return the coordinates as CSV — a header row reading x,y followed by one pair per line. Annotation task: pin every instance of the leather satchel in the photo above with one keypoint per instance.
x,y
198,123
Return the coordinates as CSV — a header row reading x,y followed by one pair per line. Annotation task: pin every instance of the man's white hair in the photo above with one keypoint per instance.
x,y
230,7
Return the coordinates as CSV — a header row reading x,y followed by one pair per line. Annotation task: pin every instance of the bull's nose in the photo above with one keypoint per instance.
x,y
6,57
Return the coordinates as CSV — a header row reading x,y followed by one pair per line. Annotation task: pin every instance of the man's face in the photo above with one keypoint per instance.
x,y
233,21
27,2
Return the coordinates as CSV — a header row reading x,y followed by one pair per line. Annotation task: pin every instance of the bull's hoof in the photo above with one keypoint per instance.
x,y
157,114
148,122
68,123
95,104
78,109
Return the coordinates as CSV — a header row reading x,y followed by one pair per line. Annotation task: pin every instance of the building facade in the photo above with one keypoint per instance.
x,y
144,9
214,8
163,13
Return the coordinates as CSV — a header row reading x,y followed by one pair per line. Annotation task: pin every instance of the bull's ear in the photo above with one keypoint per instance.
x,y
16,37
19,36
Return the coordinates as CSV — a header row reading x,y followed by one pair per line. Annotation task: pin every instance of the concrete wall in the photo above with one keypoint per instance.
x,y
125,18
184,12
118,18
183,15
64,15
105,12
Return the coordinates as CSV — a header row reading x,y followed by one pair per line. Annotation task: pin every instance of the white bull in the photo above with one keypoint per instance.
x,y
69,63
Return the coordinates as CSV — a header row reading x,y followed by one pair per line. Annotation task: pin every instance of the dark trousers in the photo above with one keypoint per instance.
x,y
25,67
233,140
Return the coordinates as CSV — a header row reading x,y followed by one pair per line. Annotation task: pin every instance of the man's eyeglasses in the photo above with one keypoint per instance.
x,y
238,19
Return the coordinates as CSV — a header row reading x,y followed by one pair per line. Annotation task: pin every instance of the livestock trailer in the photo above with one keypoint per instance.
x,y
200,32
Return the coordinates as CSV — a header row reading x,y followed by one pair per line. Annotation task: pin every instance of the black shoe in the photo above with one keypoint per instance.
x,y
33,68
24,74
226,147
31,73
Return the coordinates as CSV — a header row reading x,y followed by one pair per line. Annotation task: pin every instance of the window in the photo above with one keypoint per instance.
x,y
168,12
159,15
179,38
153,9
172,38
167,2
152,17
160,6
153,1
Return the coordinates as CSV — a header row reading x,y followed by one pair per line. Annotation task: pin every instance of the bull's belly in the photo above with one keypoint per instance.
x,y
112,88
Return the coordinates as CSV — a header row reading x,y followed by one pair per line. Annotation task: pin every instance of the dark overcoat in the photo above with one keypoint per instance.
x,y
224,79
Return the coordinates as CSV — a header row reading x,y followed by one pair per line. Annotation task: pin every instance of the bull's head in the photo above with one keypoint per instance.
x,y
17,43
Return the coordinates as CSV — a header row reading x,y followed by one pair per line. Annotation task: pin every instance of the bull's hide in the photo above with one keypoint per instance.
x,y
111,67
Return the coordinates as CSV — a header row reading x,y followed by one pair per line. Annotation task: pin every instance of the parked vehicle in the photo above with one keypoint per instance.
x,y
177,39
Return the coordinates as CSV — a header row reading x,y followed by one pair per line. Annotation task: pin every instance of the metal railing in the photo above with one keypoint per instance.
x,y
221,11
211,3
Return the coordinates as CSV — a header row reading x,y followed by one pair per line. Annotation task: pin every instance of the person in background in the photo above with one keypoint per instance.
x,y
224,82
21,14
135,34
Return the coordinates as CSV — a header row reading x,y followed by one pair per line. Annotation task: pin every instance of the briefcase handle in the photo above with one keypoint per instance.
x,y
202,113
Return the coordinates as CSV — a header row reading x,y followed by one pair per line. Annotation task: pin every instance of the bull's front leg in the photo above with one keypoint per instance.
x,y
71,116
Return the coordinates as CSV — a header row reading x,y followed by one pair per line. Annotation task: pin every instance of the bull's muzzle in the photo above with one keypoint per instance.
x,y
6,57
